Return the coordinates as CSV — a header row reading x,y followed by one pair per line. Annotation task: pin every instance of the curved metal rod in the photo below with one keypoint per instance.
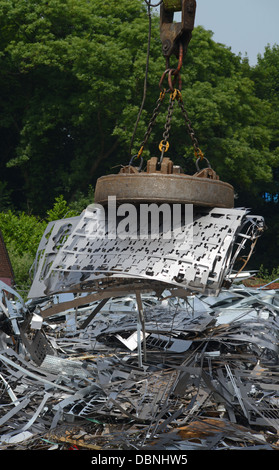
x,y
197,163
141,161
172,82
180,59
163,78
175,72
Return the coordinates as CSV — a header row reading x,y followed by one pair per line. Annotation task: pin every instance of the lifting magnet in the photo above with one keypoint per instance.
x,y
165,184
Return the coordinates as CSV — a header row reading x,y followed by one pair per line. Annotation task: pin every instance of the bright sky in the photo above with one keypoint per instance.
x,y
246,26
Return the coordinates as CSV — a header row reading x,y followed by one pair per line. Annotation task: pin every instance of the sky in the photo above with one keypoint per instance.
x,y
246,26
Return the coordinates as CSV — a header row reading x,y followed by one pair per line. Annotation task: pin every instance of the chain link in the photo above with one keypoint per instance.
x,y
164,144
191,132
166,133
152,122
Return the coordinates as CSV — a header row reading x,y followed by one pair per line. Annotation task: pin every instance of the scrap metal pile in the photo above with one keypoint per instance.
x,y
133,342
208,378
106,354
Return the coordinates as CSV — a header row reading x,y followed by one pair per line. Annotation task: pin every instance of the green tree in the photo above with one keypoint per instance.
x,y
265,77
227,115
75,69
229,118
73,73
22,234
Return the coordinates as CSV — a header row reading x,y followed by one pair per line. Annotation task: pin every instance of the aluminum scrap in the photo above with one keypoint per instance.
x,y
69,259
209,379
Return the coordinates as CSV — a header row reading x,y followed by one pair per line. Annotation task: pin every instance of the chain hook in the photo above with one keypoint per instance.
x,y
173,72
180,60
203,158
163,147
134,158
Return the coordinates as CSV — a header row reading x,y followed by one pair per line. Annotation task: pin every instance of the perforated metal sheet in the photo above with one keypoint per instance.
x,y
70,259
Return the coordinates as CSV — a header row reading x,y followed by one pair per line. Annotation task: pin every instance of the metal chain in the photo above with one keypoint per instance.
x,y
164,144
151,123
166,133
175,94
191,132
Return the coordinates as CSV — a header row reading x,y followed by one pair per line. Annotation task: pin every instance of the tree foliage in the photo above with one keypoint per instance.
x,y
69,70
71,84
22,233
